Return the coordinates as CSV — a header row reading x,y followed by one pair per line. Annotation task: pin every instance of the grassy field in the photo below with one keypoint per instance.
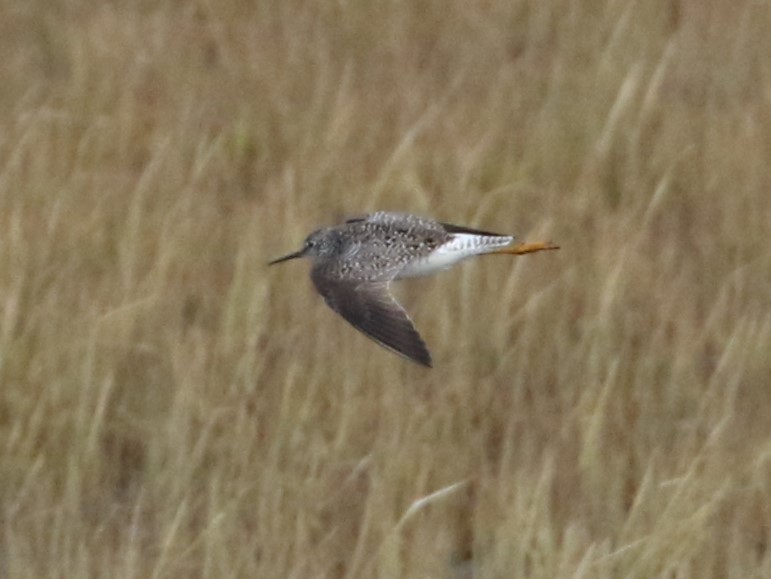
x,y
172,408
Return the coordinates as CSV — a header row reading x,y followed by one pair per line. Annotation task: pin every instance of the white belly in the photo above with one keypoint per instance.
x,y
462,246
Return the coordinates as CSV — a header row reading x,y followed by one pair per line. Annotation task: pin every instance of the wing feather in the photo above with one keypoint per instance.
x,y
450,228
370,308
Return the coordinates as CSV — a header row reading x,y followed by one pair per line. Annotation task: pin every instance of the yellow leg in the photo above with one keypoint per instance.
x,y
523,248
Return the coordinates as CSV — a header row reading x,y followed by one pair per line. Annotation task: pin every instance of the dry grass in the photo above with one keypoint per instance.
x,y
171,408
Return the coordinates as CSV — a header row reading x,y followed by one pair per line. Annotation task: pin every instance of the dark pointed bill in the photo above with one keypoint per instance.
x,y
294,255
370,308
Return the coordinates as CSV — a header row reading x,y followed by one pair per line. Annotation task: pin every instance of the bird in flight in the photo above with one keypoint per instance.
x,y
354,264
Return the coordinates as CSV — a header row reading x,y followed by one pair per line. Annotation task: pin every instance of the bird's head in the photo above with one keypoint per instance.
x,y
317,244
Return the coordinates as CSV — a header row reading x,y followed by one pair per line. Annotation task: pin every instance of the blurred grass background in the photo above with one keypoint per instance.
x,y
171,408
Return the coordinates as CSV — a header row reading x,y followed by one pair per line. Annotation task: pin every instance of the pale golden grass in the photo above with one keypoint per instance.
x,y
169,407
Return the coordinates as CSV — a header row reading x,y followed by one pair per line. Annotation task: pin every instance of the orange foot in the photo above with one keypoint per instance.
x,y
523,248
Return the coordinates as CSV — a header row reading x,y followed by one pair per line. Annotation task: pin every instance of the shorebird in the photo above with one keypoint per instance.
x,y
354,264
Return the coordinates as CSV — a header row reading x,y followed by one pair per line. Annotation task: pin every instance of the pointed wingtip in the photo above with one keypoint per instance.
x,y
423,360
417,351
421,356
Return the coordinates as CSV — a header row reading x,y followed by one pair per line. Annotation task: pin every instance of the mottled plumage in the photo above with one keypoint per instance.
x,y
355,262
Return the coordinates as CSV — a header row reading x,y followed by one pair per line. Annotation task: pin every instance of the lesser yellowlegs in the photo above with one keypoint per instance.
x,y
354,264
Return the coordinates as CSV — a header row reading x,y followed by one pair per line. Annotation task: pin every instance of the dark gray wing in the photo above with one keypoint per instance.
x,y
369,308
404,221
450,228
391,217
